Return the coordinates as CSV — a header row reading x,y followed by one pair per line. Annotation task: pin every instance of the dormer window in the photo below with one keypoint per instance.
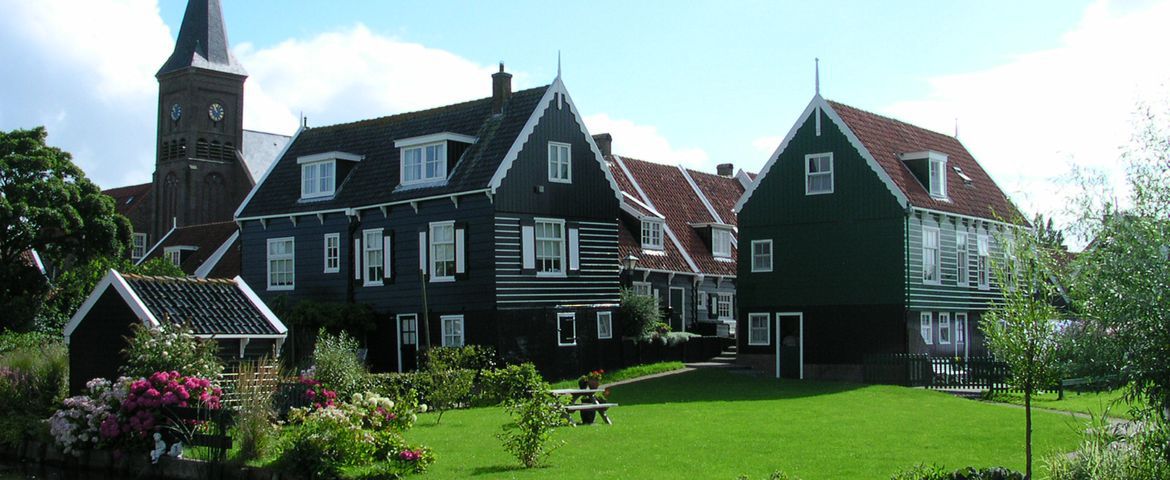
x,y
721,243
938,177
430,158
319,173
651,235
930,167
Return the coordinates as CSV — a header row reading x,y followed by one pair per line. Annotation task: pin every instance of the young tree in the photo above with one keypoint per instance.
x,y
47,205
1021,327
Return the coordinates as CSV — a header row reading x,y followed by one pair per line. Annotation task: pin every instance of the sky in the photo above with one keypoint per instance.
x,y
1033,88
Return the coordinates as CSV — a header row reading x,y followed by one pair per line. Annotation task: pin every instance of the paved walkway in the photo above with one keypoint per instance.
x,y
724,360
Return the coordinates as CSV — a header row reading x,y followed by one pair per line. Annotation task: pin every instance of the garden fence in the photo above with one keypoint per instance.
x,y
912,370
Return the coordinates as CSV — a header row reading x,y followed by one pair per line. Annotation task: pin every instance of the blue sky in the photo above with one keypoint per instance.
x,y
1035,86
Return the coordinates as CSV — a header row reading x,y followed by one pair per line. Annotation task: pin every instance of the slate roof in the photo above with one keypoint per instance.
x,y
202,41
885,138
260,150
374,179
128,198
208,306
207,238
670,193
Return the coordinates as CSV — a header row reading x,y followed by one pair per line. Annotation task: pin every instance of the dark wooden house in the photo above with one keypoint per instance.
x,y
493,219
225,310
865,235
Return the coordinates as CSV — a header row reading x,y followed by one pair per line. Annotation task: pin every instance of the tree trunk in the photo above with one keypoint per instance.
x,y
1028,431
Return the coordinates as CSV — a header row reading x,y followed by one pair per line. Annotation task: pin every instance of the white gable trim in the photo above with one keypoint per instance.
x,y
208,265
557,89
114,279
665,227
818,103
262,307
155,246
627,198
744,179
279,158
699,193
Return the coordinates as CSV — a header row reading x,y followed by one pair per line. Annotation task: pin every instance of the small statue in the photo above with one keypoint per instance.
x,y
176,450
159,448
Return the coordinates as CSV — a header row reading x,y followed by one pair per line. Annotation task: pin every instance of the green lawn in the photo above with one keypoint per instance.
x,y
716,424
626,373
1093,403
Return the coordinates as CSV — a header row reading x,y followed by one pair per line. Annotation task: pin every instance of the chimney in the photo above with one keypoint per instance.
x,y
501,89
725,169
604,143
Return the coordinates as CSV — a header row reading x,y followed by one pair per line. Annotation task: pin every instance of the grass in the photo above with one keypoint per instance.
x,y
716,424
627,373
1093,403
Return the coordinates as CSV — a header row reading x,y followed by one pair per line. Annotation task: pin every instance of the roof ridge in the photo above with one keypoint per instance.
x,y
432,110
168,278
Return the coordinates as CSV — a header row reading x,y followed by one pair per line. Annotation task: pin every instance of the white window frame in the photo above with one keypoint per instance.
x,y
537,239
726,300
373,258
759,257
931,273
440,173
926,327
289,256
560,168
960,328
444,333
433,259
331,243
754,331
137,246
809,175
314,184
962,259
721,242
174,255
944,325
604,325
643,288
569,315
983,261
937,176
652,234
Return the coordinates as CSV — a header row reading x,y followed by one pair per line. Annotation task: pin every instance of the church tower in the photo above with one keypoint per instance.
x,y
199,174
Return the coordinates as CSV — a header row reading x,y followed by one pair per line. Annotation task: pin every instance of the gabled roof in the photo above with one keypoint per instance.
x,y
880,140
220,308
128,198
260,149
722,193
202,41
207,239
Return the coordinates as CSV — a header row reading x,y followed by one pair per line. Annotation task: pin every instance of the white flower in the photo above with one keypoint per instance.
x,y
422,408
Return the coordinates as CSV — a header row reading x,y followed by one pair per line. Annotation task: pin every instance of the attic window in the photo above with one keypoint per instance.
x,y
938,177
930,168
651,235
721,243
424,159
966,179
319,173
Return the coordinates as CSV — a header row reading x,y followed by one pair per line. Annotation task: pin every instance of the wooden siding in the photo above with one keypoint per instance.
x,y
597,282
95,347
948,295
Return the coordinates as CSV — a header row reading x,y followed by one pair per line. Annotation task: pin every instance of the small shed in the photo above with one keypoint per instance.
x,y
226,310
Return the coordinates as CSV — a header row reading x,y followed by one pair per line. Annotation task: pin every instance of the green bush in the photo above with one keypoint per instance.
x,y
468,357
534,419
447,389
33,381
170,347
639,312
336,364
1107,454
399,385
511,382
935,472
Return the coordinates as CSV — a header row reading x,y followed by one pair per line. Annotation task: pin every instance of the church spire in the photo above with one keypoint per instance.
x,y
202,41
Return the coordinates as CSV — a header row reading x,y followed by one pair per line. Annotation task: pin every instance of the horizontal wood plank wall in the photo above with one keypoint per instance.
x,y
949,295
596,283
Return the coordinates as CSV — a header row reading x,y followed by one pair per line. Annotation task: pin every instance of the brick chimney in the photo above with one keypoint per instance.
x,y
501,89
604,143
725,169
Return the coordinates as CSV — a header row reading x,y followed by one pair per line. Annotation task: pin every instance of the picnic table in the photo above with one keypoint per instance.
x,y
588,402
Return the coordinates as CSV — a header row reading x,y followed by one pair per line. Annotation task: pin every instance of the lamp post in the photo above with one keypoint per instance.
x,y
628,265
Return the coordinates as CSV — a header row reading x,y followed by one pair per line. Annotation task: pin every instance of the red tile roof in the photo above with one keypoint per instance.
x,y
207,238
128,198
885,138
722,192
630,243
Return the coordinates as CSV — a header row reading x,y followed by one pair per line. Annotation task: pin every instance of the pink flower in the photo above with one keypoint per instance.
x,y
408,455
109,428
169,398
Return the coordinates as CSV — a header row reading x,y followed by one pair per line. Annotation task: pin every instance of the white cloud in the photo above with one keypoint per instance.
x,y
644,142
1028,119
767,144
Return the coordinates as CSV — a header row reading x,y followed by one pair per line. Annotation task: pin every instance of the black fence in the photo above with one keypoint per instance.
x,y
936,372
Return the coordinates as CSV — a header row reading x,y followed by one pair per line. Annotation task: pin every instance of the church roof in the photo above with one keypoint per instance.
x,y
202,41
260,150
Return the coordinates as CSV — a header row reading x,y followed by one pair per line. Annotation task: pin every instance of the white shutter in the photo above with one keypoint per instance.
x,y
574,249
387,256
422,251
460,248
528,245
357,259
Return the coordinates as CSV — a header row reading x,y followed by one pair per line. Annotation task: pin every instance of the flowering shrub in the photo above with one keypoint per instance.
x,y
79,425
169,347
317,395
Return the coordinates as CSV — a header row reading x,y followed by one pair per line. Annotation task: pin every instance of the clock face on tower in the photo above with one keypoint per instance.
x,y
176,112
215,111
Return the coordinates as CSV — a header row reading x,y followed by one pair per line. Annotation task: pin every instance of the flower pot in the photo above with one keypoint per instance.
x,y
581,384
593,383
588,416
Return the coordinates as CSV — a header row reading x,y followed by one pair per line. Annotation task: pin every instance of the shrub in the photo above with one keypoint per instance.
x,y
398,385
640,313
935,472
510,382
534,419
1107,454
447,389
170,347
32,384
468,357
336,364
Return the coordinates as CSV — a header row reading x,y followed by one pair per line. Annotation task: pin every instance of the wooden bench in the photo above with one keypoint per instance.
x,y
600,408
588,402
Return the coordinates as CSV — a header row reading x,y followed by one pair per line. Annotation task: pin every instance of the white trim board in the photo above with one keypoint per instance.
x,y
114,279
261,306
155,246
665,226
702,197
208,265
279,157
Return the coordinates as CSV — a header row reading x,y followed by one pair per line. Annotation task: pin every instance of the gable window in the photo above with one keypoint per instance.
x,y
926,328
961,260
818,173
550,247
452,330
759,328
721,243
930,263
280,263
372,257
317,179
560,162
944,328
566,329
982,262
960,327
724,308
938,176
442,251
651,234
762,255
332,252
138,248
604,325
424,163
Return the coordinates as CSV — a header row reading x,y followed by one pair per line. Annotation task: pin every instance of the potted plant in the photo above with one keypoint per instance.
x,y
589,416
591,379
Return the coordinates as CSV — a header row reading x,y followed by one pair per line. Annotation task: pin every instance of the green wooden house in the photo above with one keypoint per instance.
x,y
865,235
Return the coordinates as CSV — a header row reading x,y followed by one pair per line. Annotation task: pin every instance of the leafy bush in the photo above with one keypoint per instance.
x,y
33,379
640,313
935,472
468,357
336,364
534,419
1106,453
170,347
511,382
447,389
398,385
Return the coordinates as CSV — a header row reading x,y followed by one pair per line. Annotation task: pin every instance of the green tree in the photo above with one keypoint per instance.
x,y
1047,233
48,205
73,286
1021,326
